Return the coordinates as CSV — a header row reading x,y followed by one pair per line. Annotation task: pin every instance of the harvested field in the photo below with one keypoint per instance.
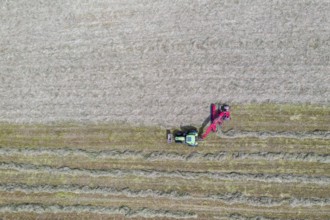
x,y
89,87
112,171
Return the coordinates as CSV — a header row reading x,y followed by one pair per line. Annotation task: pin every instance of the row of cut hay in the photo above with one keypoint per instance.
x,y
191,207
183,186
272,164
197,156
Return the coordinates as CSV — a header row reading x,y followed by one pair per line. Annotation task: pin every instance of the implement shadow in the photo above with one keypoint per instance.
x,y
205,122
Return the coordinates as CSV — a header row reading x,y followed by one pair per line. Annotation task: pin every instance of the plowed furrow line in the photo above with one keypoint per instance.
x,y
164,155
123,210
228,198
282,178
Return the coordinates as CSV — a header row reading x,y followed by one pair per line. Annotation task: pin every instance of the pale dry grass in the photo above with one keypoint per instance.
x,y
156,62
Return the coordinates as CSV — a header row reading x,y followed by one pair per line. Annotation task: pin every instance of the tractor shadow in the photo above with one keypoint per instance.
x,y
184,129
187,128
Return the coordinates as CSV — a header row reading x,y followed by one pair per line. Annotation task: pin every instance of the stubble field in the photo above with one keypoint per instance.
x,y
88,89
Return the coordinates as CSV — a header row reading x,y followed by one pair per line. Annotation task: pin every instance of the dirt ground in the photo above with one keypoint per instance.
x,y
158,62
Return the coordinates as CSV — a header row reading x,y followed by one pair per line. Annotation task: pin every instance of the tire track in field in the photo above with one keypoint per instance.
x,y
228,198
262,177
269,134
123,210
163,155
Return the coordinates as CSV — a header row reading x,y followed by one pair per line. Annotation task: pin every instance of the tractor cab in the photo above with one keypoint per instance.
x,y
188,137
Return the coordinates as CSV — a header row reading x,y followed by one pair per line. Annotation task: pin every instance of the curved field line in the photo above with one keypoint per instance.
x,y
281,178
228,198
123,210
163,155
